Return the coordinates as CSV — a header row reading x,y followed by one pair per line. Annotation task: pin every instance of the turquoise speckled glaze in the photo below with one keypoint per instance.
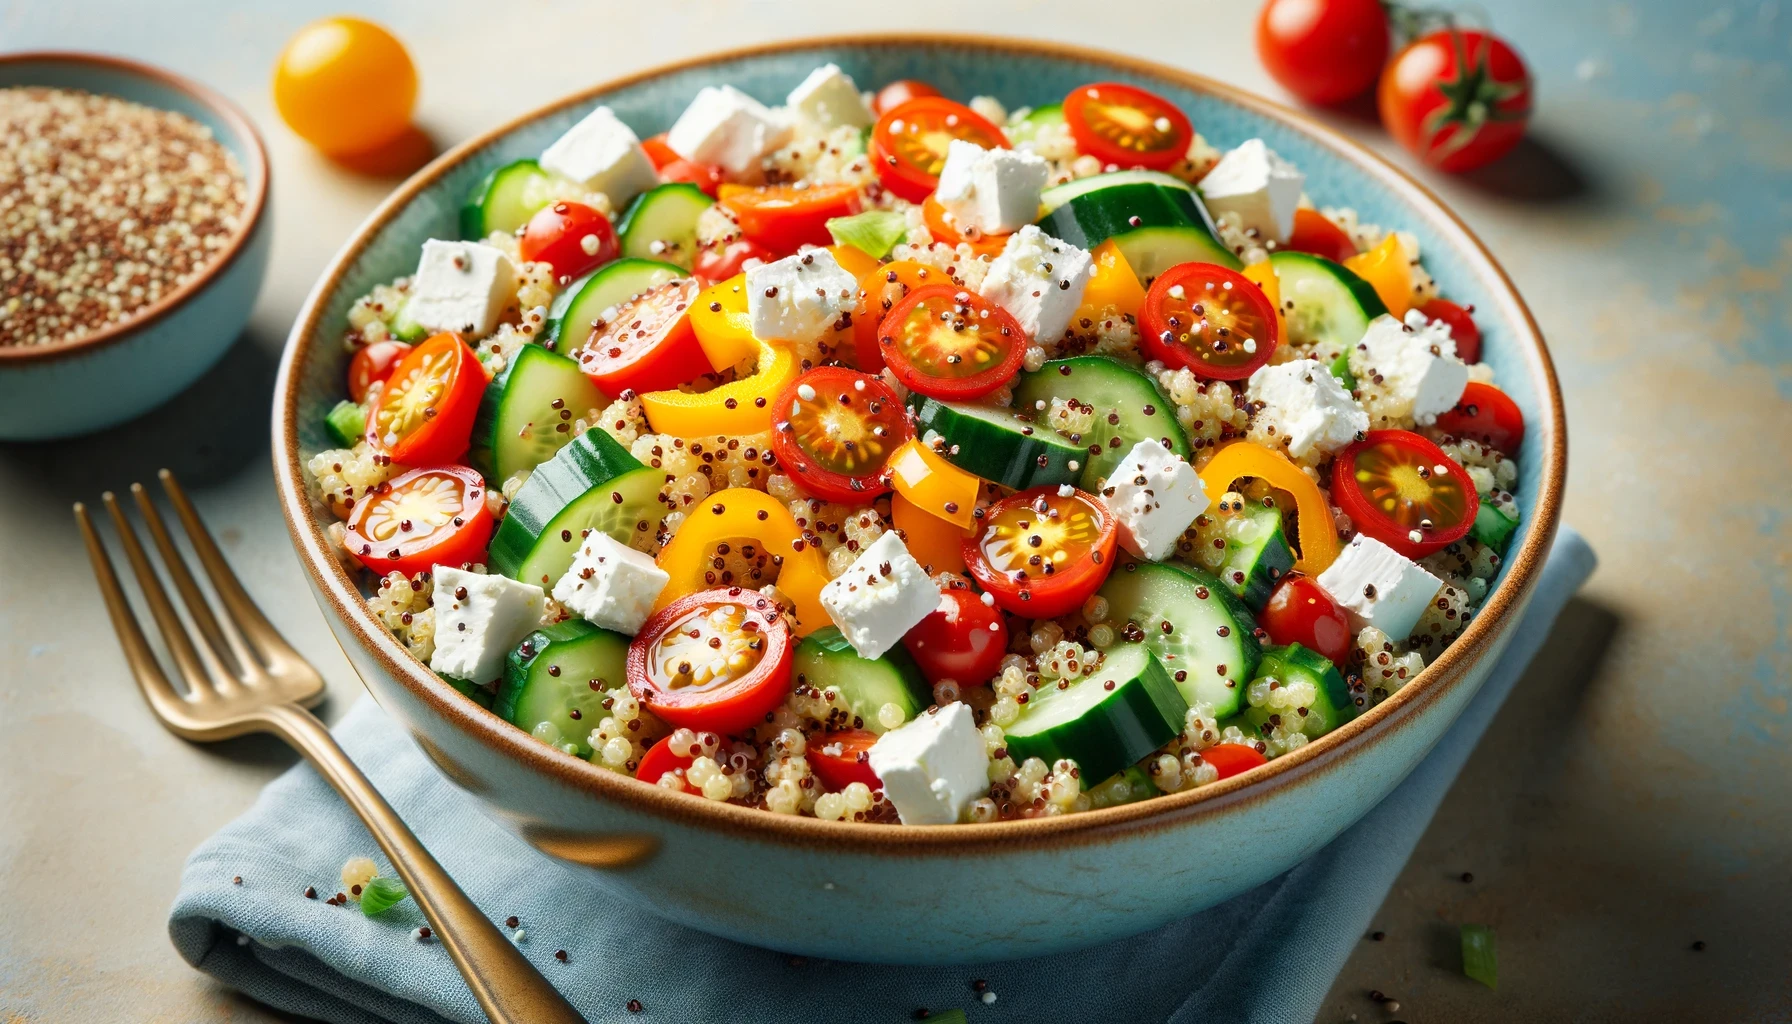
x,y
95,382
943,894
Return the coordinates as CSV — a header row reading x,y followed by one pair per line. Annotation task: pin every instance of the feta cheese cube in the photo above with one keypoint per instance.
x,y
1379,587
799,297
828,98
612,585
726,126
1039,280
604,155
1154,496
1417,364
933,767
992,190
461,286
1261,188
1307,406
883,595
479,618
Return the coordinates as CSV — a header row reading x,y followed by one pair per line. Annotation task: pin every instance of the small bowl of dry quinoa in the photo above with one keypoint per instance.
x,y
132,238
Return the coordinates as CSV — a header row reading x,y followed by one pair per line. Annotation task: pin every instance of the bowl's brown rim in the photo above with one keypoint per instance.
x,y
256,174
332,579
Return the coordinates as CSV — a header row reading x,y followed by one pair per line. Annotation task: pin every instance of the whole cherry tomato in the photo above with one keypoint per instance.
x,y
1315,234
571,237
719,262
372,365
1486,414
964,639
1461,324
345,85
842,758
1233,758
1301,612
899,92
1458,98
1324,51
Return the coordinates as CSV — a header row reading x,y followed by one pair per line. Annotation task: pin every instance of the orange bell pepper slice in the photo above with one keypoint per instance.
x,y
1318,532
741,513
1263,275
736,408
722,325
853,260
1386,269
940,225
936,543
1112,285
932,484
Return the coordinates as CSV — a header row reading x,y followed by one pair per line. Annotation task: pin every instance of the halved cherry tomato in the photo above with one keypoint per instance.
x,y
570,237
899,92
419,519
1210,319
1315,233
373,364
707,177
1127,126
1486,414
1301,612
649,346
783,217
833,429
951,343
660,759
1041,554
716,660
944,229
659,151
425,413
1462,326
1233,758
1458,98
908,144
963,639
1404,491
842,758
721,261
877,294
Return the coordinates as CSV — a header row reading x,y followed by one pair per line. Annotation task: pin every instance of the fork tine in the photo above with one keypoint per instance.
x,y
218,640
174,632
239,607
137,653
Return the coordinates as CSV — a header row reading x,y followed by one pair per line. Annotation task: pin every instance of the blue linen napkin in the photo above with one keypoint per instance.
x,y
1269,955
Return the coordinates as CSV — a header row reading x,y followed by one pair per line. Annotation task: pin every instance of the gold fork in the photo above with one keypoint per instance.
x,y
241,676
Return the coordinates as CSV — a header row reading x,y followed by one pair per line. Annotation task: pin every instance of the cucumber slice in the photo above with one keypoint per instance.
x,y
612,284
1325,303
1206,664
825,659
347,422
1257,557
591,484
997,445
1027,128
554,682
1094,217
1333,706
526,413
1058,195
505,199
478,693
661,224
1128,409
1493,526
1104,721
1151,251
403,326
1127,787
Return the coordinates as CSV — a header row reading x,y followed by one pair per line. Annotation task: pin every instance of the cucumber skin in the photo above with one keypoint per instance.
x,y
1093,217
1334,702
472,211
1493,527
589,460
828,643
626,227
1018,468
1243,625
1050,381
1275,560
518,675
559,312
346,422
483,453
1102,744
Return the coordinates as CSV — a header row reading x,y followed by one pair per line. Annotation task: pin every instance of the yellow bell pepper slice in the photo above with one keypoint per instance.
x,y
1112,285
1386,269
1263,275
741,513
937,544
853,260
934,485
722,325
738,407
1318,532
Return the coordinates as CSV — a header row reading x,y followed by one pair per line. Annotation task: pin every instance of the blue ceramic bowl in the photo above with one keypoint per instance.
x,y
936,894
112,375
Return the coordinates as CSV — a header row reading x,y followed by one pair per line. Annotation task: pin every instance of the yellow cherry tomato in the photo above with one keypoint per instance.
x,y
738,407
741,513
1318,531
1386,269
1112,286
345,85
937,544
936,486
1263,275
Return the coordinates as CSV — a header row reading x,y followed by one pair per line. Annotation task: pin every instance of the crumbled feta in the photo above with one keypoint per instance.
x,y
799,297
1260,187
461,286
883,595
604,155
1039,280
727,127
992,190
1307,406
932,767
479,618
1415,361
1379,587
828,99
1154,496
611,584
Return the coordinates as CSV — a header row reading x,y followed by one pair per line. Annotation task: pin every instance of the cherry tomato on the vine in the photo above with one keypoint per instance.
x,y
1457,98
1324,51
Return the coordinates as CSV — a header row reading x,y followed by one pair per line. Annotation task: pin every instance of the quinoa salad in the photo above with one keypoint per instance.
x,y
884,458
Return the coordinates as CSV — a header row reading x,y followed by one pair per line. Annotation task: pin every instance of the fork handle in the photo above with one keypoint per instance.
x,y
507,986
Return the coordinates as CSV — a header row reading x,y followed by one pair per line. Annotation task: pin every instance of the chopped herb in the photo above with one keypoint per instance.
x,y
382,894
874,232
1478,959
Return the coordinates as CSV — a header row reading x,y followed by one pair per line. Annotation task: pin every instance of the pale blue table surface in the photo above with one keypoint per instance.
x,y
1633,797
